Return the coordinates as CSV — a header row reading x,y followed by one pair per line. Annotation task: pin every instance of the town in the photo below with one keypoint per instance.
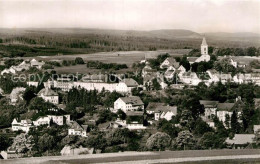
x,y
201,100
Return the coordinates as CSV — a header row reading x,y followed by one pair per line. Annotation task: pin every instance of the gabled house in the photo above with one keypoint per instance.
x,y
214,75
189,78
126,85
132,103
23,125
161,110
49,95
147,70
170,61
210,108
224,109
76,129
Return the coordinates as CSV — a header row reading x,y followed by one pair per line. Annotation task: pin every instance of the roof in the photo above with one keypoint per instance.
x,y
161,107
192,59
173,62
47,92
204,43
134,100
74,125
130,82
225,106
240,139
134,113
209,103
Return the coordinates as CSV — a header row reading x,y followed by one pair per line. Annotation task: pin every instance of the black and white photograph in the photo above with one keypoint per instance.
x,y
130,81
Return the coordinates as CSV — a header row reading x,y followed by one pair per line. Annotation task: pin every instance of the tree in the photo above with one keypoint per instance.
x,y
185,140
211,140
158,141
234,123
5,142
156,85
29,94
121,114
45,142
227,120
79,60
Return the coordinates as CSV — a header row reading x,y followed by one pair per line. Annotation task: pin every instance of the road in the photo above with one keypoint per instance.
x,y
146,157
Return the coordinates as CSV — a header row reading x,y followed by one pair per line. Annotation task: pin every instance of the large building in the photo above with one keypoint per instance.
x,y
204,54
132,103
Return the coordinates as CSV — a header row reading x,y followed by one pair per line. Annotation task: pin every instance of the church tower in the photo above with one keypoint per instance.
x,y
204,47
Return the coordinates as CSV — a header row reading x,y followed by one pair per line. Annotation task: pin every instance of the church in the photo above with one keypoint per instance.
x,y
204,54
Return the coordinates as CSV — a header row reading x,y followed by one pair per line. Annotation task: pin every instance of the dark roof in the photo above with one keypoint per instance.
x,y
74,125
134,113
192,59
225,106
134,100
161,107
130,82
209,103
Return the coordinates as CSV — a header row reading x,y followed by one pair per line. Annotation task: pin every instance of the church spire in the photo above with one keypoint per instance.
x,y
204,43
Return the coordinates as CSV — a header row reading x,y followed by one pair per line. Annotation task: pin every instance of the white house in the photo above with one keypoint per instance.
x,y
37,64
16,94
76,129
147,70
49,95
210,108
214,75
189,78
161,110
57,119
204,54
126,85
132,103
24,125
170,61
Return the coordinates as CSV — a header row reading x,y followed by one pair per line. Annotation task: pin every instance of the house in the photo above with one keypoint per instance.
x,y
76,129
169,61
132,103
224,109
96,82
189,78
204,54
147,70
126,85
134,120
16,94
161,110
241,140
181,69
49,95
165,112
57,119
36,64
214,75
169,73
210,108
23,125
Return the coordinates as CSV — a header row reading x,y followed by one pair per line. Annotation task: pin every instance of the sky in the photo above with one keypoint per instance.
x,y
195,15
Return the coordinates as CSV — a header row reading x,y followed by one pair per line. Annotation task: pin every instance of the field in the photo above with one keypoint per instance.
x,y
190,156
120,57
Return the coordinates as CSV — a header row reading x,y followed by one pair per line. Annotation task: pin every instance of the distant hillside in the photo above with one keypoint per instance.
x,y
51,41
